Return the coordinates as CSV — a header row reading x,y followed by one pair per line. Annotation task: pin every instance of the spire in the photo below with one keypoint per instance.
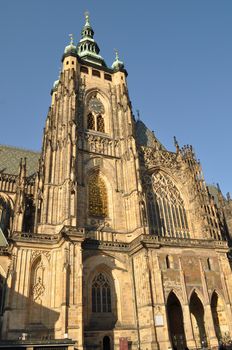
x,y
87,48
176,144
117,64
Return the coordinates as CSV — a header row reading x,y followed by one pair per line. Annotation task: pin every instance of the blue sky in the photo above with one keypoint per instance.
x,y
178,54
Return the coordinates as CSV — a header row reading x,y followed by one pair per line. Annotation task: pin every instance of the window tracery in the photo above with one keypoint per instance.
x,y
37,283
101,294
97,196
166,208
95,116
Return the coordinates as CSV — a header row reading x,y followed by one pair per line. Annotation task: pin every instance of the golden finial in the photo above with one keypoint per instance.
x,y
71,39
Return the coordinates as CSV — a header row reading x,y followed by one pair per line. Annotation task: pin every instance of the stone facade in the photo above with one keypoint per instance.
x,y
113,241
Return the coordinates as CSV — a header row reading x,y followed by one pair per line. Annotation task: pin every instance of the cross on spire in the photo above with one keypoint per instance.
x,y
71,39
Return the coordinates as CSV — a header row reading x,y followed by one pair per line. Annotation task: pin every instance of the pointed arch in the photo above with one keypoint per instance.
x,y
167,213
101,306
97,103
198,319
199,295
177,294
175,321
6,212
39,290
97,196
219,314
101,294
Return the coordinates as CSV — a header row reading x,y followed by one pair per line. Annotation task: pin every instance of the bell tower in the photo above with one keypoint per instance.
x,y
88,176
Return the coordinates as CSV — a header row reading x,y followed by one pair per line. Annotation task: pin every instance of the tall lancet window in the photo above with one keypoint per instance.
x,y
97,196
101,294
167,214
95,115
100,124
4,215
90,122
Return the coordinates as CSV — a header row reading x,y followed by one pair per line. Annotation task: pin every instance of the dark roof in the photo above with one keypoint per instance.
x,y
10,159
145,137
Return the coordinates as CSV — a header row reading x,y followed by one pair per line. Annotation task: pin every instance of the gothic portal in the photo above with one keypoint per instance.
x,y
109,240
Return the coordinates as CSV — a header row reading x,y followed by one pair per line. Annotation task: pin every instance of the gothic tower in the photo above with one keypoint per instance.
x,y
109,240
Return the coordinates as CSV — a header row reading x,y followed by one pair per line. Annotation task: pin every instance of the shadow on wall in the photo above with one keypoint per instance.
x,y
100,301
23,318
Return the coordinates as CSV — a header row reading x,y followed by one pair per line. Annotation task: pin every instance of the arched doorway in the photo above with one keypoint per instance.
x,y
197,316
175,321
219,317
106,343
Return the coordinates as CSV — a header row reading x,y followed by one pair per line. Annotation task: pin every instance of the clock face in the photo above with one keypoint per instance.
x,y
96,106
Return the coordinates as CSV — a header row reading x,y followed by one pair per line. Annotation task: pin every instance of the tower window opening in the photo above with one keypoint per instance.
x,y
108,77
101,294
100,124
84,70
96,73
169,262
67,62
91,122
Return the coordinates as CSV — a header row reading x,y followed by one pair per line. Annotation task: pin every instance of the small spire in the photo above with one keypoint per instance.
x,y
176,144
117,63
116,55
71,39
138,114
87,18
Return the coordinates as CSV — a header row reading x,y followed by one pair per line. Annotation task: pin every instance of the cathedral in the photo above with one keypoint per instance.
x,y
107,239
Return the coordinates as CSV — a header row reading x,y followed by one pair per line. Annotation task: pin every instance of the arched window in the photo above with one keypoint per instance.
x,y
169,262
100,124
167,214
97,197
95,114
101,294
209,264
5,212
91,122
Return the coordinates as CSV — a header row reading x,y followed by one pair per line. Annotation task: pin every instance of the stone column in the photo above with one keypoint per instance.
x,y
208,319
188,327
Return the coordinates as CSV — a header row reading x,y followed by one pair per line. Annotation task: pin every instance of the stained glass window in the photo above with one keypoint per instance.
x,y
101,294
97,196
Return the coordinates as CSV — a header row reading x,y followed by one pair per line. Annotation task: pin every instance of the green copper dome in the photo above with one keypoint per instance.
x,y
117,64
87,48
71,48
